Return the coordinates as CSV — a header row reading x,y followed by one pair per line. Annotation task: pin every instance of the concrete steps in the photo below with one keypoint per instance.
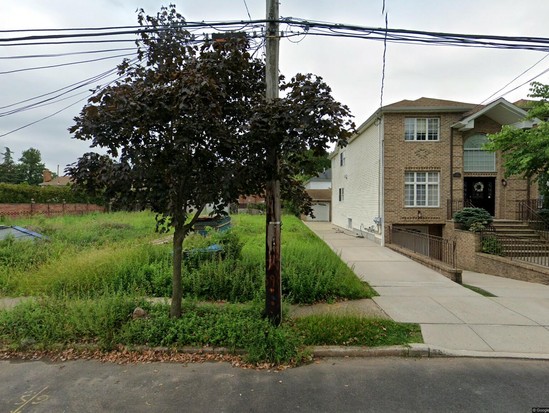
x,y
521,239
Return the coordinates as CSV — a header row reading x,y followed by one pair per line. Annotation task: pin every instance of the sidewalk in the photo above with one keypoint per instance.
x,y
454,320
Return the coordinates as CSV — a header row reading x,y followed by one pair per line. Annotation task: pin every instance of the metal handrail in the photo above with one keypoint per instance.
x,y
432,246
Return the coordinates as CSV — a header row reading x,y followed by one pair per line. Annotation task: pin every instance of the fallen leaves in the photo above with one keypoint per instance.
x,y
123,355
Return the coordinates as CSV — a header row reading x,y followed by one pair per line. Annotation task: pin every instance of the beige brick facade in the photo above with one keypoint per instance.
x,y
377,159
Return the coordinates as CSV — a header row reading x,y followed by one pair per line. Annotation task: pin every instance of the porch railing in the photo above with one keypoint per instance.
x,y
432,246
515,248
527,211
455,205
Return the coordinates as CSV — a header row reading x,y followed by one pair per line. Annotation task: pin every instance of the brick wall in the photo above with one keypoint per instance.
x,y
470,258
23,210
428,156
434,156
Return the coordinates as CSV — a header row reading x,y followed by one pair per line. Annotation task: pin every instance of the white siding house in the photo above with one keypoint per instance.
x,y
356,181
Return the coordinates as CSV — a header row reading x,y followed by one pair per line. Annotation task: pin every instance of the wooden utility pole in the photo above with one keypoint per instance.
x,y
273,280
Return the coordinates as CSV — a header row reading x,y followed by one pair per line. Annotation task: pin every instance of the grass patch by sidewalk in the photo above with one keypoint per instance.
x,y
354,330
106,323
479,290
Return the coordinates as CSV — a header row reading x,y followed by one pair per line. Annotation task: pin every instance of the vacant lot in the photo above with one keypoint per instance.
x,y
94,270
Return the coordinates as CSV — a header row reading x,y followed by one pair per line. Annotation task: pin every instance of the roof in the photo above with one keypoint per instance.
x,y
422,104
500,110
428,104
57,181
325,175
320,194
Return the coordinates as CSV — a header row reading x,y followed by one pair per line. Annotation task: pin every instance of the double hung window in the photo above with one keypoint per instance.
x,y
421,129
421,189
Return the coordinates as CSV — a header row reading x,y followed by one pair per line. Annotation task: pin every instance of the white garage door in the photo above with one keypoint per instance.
x,y
321,212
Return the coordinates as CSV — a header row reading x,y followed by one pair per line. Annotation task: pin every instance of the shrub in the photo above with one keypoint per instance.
x,y
473,219
492,245
23,193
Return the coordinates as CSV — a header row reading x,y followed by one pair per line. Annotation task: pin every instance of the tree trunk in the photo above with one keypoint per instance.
x,y
177,285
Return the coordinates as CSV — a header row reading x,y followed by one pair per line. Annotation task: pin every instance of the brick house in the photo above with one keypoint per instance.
x,y
413,163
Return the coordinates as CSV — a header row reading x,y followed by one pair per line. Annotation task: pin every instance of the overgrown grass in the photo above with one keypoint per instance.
x,y
99,262
91,271
351,330
106,323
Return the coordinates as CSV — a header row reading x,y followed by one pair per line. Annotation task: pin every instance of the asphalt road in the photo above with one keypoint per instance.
x,y
330,385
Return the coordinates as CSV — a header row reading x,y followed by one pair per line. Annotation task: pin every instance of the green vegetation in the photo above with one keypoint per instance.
x,y
492,245
479,290
95,270
349,330
473,219
112,253
23,193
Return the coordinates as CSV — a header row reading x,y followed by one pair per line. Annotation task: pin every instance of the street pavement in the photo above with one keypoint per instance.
x,y
328,385
454,320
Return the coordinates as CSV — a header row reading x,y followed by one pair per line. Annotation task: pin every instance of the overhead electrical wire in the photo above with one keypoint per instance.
x,y
65,64
253,29
40,56
311,28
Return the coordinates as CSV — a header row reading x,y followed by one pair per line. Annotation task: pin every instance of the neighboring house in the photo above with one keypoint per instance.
x,y
319,189
49,180
413,163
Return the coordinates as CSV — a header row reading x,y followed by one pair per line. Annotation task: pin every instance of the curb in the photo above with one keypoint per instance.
x,y
420,351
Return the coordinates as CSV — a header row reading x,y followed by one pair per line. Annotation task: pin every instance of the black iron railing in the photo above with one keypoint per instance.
x,y
431,246
516,248
455,205
528,211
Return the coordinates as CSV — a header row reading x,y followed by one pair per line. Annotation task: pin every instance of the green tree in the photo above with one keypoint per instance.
x,y
30,166
188,126
526,151
8,168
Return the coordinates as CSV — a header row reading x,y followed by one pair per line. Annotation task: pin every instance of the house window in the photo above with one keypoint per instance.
x,y
341,158
421,189
421,129
341,194
476,159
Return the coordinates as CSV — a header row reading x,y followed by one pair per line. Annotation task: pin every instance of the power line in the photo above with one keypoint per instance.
x,y
65,64
57,112
320,29
40,56
517,77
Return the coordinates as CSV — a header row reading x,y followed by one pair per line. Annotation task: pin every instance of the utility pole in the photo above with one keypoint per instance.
x,y
273,280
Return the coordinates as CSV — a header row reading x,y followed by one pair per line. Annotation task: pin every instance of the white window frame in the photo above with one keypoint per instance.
x,y
424,188
421,129
341,194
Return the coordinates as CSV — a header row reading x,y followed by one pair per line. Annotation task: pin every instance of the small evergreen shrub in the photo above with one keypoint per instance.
x,y
492,245
473,219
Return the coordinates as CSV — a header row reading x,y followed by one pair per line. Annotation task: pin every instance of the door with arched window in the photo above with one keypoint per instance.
x,y
479,165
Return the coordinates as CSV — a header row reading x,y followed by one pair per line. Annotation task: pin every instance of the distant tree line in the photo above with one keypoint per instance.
x,y
28,170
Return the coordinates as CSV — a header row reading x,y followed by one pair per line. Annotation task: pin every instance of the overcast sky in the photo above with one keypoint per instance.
x,y
352,67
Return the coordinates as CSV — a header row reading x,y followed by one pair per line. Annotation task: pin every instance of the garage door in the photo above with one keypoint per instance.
x,y
321,212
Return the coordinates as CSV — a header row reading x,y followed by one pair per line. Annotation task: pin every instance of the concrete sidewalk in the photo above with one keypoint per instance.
x,y
453,319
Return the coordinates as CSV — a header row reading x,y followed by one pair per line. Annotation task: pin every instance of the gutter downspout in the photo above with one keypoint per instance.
x,y
381,178
449,208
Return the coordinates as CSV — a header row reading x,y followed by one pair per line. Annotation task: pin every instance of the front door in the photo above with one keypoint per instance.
x,y
480,192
